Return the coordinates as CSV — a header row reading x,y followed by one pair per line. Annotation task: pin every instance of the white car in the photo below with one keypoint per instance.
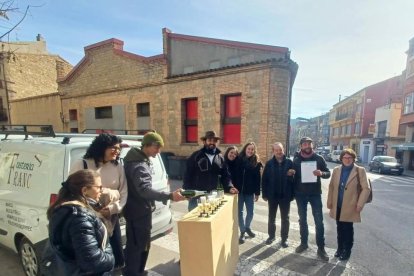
x,y
334,156
31,173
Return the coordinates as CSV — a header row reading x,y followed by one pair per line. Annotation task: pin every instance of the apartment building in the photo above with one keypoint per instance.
x,y
352,120
406,149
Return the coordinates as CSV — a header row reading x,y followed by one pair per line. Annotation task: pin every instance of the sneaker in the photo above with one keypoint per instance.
x,y
301,248
270,240
338,253
322,254
346,254
284,244
250,233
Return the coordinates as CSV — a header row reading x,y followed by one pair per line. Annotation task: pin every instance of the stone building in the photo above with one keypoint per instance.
x,y
240,90
27,70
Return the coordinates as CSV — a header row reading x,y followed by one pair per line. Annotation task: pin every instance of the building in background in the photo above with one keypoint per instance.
x,y
406,150
240,90
27,70
352,120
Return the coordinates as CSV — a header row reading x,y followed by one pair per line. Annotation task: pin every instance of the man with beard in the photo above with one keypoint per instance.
x,y
309,168
204,167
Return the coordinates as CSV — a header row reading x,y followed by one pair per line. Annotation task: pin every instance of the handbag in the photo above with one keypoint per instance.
x,y
369,199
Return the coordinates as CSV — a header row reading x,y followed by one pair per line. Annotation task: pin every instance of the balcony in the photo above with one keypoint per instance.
x,y
341,116
3,115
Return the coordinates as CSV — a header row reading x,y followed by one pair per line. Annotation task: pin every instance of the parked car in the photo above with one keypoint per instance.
x,y
334,156
31,173
385,164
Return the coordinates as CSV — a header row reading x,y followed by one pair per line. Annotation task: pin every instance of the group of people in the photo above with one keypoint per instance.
x,y
84,228
281,181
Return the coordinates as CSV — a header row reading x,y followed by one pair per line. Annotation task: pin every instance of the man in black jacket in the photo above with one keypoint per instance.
x,y
204,168
277,190
140,203
309,168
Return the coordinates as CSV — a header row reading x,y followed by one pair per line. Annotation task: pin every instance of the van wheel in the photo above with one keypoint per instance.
x,y
28,257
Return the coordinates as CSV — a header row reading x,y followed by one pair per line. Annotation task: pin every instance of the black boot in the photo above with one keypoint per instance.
x,y
250,233
241,239
338,252
346,254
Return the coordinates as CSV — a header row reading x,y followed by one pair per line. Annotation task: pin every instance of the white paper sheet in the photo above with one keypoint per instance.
x,y
306,169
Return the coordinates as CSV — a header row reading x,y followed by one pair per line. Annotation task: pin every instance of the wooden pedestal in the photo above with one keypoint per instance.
x,y
209,246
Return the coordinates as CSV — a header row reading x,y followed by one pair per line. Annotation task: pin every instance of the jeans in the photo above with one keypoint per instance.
x,y
116,243
284,205
247,200
316,204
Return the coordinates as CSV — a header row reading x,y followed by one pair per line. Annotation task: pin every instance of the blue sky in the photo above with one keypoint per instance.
x,y
340,46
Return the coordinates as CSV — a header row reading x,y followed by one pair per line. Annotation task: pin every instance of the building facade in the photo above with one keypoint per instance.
x,y
406,149
240,90
27,70
352,120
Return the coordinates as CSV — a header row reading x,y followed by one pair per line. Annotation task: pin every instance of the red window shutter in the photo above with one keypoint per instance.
x,y
233,106
191,109
191,134
231,133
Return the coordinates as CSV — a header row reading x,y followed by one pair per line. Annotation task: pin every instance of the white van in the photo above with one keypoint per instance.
x,y
31,173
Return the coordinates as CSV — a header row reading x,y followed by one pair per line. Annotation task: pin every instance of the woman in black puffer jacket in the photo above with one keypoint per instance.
x,y
247,180
76,234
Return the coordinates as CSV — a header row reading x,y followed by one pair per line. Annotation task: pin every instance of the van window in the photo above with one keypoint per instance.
x,y
76,154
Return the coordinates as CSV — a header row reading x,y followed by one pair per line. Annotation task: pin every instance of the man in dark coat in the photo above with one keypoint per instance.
x,y
277,190
309,169
204,168
140,202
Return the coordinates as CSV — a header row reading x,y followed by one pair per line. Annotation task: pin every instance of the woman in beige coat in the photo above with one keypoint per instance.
x,y
348,193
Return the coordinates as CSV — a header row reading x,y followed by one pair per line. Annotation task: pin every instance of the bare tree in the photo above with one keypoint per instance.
x,y
10,7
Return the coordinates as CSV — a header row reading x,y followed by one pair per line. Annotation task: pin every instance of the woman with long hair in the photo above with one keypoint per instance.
x,y
230,158
102,156
247,180
76,234
348,192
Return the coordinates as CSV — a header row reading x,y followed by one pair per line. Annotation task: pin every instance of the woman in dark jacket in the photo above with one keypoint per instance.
x,y
247,180
76,234
230,158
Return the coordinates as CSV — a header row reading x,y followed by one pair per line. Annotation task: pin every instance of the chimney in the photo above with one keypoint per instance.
x,y
39,37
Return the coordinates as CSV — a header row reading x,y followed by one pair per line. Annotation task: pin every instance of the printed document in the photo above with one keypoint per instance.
x,y
307,168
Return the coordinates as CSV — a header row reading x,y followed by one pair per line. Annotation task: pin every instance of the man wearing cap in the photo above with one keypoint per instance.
x,y
140,203
309,168
204,168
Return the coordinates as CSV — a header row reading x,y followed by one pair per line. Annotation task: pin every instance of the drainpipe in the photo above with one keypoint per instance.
x,y
6,89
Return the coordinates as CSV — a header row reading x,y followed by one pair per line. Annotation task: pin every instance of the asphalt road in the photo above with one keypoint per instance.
x,y
384,241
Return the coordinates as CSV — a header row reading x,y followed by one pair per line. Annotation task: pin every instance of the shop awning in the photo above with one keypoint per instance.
x,y
404,146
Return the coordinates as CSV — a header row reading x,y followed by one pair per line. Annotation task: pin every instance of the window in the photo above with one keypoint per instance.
x,y
73,114
143,117
343,131
348,129
104,112
357,128
409,103
232,119
190,120
382,128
